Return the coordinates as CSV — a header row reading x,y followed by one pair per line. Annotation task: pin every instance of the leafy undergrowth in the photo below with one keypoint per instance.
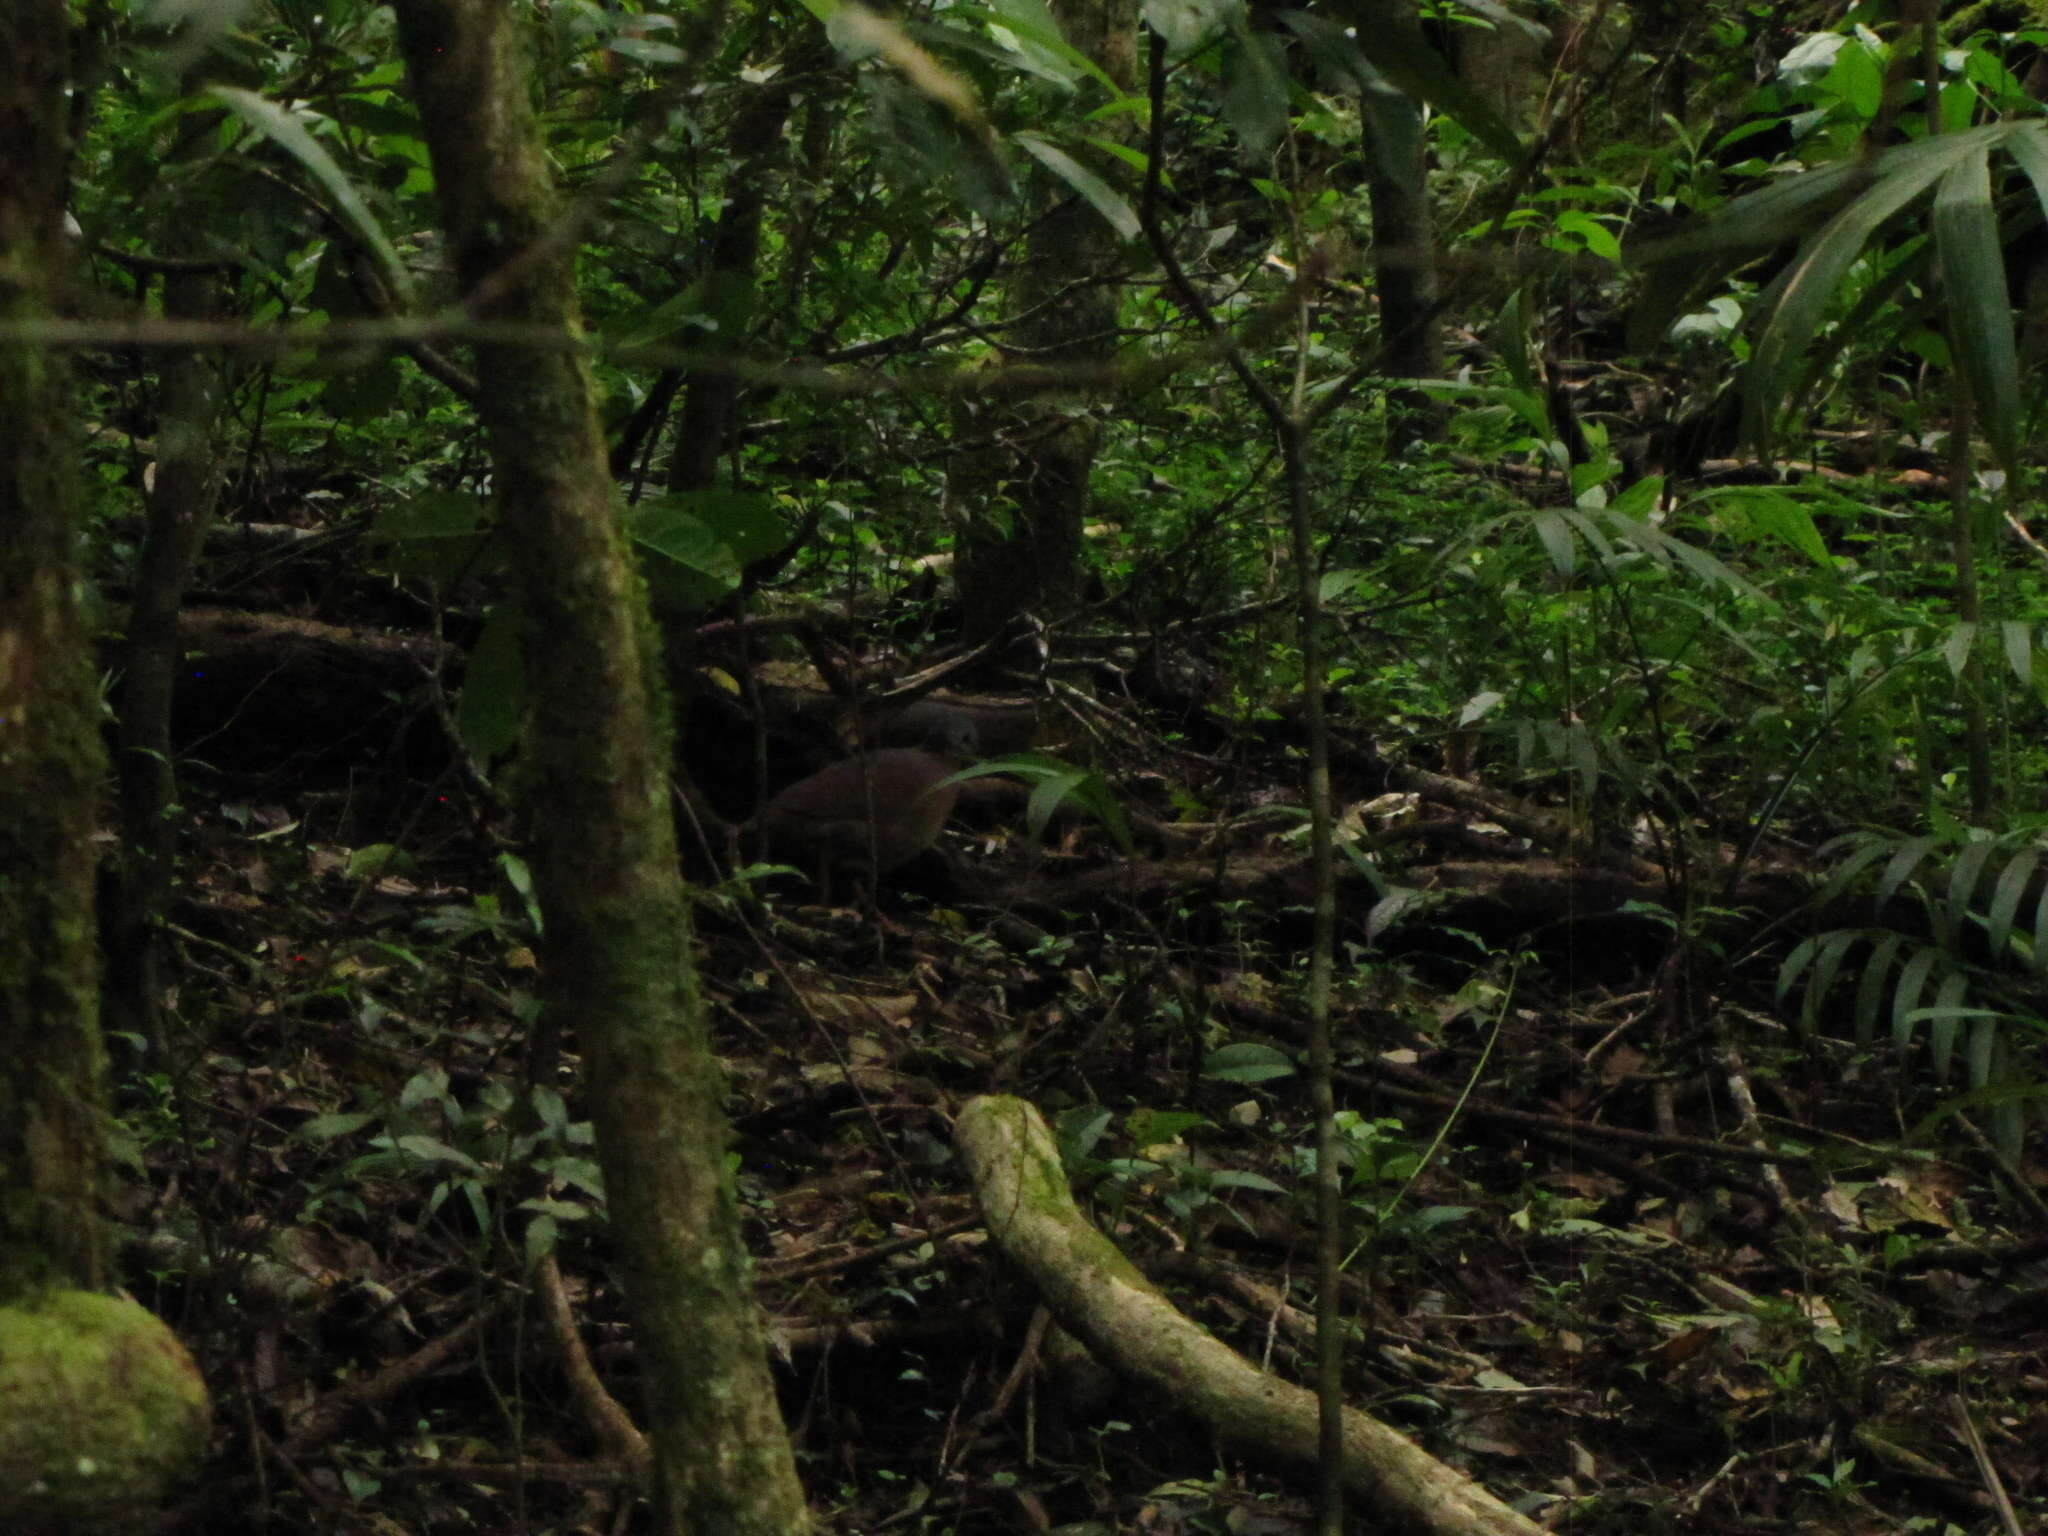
x,y
1615,1333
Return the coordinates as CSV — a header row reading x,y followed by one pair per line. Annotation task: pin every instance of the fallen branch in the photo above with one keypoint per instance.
x,y
1097,1294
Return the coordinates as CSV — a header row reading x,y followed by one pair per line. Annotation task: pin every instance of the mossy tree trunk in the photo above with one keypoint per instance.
x,y
51,1067
100,1409
617,961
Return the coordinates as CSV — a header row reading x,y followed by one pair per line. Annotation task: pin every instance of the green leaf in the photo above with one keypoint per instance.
x,y
2019,649
1238,1179
436,536
692,545
1556,535
1802,294
1945,1017
1248,1063
329,1127
1101,196
1589,232
1398,49
431,1149
1979,306
493,689
1055,783
1912,981
289,133
1047,51
1955,650
1185,24
1684,264
1778,516
2012,885
1962,879
1877,968
1047,796
1255,88
1906,858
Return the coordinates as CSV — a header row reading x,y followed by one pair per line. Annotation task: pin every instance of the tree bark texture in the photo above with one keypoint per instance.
x,y
1099,1296
1403,252
181,506
711,402
51,1063
1027,489
618,968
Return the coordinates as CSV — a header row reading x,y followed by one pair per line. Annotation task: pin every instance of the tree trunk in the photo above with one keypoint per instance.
x,y
1025,492
1403,254
181,506
711,402
51,1066
99,1406
616,952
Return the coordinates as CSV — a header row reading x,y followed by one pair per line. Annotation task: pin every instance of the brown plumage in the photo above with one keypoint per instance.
x,y
874,811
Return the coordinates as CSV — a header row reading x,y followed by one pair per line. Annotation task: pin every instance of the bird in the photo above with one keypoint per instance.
x,y
875,810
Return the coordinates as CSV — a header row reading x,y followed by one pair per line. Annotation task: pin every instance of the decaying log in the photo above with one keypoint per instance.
x,y
1098,1295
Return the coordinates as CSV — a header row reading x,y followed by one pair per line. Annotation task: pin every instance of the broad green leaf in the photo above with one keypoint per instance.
x,y
290,135
1339,66
1945,1017
1047,796
1834,948
1556,535
1877,969
1857,78
1479,706
436,536
1794,965
2006,895
1810,285
2041,935
1683,264
1237,1178
2019,649
328,1127
684,561
1907,857
1055,782
1101,196
493,689
1032,22
1955,650
1585,757
1780,517
1979,307
1640,498
1503,18
1248,1062
1338,583
1962,879
1912,981
1398,49
1590,232
1983,1050
1255,88
1186,24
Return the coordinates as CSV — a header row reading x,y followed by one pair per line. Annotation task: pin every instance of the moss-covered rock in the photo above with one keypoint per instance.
x,y
100,1408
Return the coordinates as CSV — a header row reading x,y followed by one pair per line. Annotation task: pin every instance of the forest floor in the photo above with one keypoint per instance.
x,y
1572,1273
